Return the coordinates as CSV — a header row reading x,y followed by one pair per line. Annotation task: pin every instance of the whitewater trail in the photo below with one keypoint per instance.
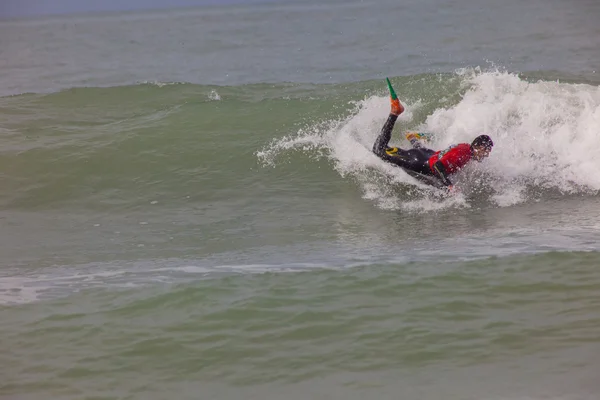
x,y
546,136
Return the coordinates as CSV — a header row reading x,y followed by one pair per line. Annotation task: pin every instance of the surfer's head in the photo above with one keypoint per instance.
x,y
481,147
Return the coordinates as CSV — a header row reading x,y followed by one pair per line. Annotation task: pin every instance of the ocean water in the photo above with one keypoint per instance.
x,y
190,209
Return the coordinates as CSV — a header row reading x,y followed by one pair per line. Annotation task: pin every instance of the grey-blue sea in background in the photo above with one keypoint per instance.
x,y
189,207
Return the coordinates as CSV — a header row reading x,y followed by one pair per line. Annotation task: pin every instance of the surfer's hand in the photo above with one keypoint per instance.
x,y
397,107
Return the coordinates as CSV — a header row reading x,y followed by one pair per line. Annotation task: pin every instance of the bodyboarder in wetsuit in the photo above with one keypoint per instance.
x,y
426,161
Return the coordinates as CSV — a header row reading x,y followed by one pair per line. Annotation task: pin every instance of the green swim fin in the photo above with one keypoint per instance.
x,y
392,92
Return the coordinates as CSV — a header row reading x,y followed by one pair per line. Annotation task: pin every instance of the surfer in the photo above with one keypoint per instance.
x,y
424,161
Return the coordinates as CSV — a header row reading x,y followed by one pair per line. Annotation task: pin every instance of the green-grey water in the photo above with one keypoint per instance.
x,y
495,328
190,207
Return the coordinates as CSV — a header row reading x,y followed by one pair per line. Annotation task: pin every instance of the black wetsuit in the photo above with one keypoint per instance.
x,y
415,159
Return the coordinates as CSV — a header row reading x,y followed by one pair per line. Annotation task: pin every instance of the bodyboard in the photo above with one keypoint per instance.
x,y
426,179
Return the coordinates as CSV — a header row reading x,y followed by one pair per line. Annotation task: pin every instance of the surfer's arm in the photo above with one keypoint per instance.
x,y
440,172
384,137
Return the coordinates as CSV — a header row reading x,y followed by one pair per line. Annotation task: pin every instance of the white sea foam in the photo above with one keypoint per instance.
x,y
214,95
60,281
546,134
161,84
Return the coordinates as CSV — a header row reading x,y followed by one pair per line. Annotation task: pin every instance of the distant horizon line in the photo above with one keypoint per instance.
x,y
42,15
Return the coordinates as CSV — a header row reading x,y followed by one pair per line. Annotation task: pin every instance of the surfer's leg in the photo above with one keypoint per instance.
x,y
413,138
396,108
384,136
420,160
416,144
394,155
412,160
402,158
